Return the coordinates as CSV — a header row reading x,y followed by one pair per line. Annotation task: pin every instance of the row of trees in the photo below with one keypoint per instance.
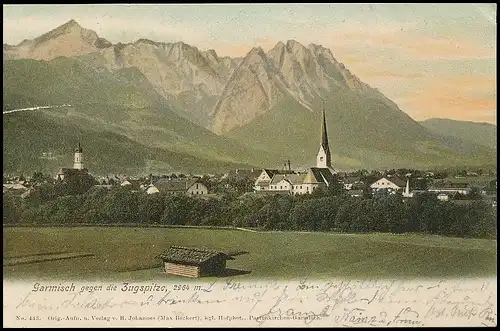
x,y
320,211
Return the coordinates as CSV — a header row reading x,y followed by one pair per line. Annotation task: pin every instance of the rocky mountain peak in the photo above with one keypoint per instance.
x,y
255,56
183,46
320,50
293,44
147,42
256,51
279,45
72,23
211,54
69,27
68,39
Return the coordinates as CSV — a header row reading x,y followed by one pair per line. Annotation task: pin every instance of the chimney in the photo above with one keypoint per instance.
x,y
289,166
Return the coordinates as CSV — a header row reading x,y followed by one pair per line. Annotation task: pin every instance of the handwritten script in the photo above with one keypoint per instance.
x,y
231,302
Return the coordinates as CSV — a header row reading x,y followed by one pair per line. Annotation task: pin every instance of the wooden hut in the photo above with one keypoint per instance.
x,y
194,262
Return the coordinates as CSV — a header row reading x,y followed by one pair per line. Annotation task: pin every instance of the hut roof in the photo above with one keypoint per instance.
x,y
189,255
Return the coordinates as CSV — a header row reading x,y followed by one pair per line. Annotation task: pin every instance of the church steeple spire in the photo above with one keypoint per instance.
x,y
324,134
79,148
324,158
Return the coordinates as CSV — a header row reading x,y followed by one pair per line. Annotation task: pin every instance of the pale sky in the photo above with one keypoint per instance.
x,y
433,60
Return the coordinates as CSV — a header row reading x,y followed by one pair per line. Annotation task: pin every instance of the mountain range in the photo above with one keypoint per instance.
x,y
255,111
484,134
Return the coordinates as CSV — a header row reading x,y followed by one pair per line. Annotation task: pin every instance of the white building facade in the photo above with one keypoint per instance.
x,y
78,160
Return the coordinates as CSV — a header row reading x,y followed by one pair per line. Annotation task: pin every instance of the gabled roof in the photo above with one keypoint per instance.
x,y
192,256
322,175
395,180
293,179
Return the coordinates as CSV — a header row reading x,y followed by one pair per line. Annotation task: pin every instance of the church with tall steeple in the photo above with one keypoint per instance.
x,y
292,182
78,168
324,157
78,164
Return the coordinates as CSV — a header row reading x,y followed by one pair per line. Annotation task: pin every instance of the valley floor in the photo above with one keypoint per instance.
x,y
107,253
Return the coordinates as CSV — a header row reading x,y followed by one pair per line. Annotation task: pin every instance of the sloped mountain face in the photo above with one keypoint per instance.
x,y
484,134
69,39
188,78
289,70
251,91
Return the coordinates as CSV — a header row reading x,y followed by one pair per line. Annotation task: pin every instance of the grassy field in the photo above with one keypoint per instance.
x,y
129,253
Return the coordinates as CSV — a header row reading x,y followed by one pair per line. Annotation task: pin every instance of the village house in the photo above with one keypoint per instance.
x,y
263,182
194,262
188,186
389,184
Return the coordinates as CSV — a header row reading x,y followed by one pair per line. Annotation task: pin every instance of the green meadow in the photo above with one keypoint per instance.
x,y
125,253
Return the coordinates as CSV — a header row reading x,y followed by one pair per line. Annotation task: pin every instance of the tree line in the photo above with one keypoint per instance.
x,y
320,211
